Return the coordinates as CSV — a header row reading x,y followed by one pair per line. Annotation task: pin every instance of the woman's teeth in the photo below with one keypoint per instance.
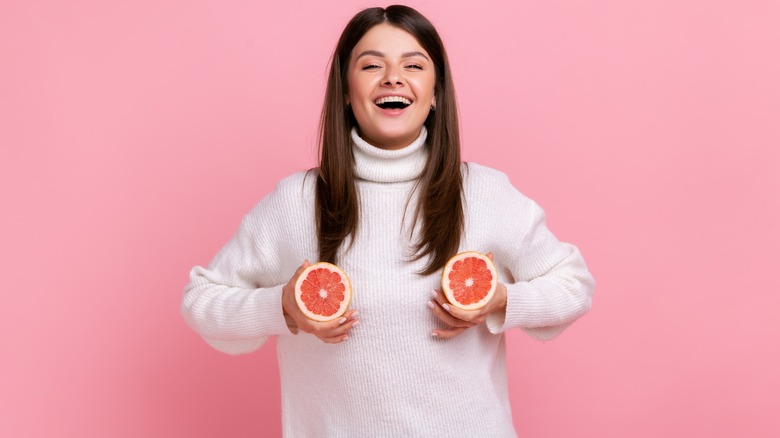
x,y
393,102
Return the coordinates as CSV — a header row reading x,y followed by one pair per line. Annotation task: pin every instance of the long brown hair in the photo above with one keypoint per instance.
x,y
440,207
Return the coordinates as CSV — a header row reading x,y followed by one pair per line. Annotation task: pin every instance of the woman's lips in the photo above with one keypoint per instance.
x,y
393,105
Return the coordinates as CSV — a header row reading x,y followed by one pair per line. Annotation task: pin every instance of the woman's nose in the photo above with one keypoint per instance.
x,y
393,76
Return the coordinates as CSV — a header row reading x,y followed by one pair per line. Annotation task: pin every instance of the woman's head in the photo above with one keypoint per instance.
x,y
390,86
391,52
369,63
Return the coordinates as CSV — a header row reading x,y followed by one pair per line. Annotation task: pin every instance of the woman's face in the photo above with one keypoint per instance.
x,y
391,84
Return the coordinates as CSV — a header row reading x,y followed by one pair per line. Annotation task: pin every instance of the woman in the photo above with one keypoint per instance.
x,y
389,203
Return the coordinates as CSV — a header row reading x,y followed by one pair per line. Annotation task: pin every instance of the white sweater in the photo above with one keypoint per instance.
x,y
391,377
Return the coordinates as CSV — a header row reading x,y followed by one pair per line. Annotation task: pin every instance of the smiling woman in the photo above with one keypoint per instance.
x,y
392,53
390,203
391,86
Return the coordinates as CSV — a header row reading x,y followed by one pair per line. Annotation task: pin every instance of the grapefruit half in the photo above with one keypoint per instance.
x,y
469,280
323,291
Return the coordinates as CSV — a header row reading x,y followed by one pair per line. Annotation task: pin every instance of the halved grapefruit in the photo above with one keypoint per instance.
x,y
469,280
323,291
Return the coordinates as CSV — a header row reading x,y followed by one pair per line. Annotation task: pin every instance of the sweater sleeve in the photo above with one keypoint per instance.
x,y
235,303
549,284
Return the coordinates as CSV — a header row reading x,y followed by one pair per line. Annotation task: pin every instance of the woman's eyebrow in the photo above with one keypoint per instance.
x,y
415,53
382,55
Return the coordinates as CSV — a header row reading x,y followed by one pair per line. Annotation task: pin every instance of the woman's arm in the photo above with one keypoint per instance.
x,y
235,303
549,284
544,285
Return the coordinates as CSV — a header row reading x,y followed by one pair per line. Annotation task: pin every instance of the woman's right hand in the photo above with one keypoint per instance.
x,y
331,332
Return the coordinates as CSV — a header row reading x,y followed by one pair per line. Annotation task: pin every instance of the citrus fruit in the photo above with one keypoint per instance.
x,y
323,291
469,280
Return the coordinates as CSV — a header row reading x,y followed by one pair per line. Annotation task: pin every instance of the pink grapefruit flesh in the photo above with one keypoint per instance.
x,y
469,280
323,291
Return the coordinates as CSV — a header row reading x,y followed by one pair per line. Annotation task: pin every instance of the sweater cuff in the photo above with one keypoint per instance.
x,y
519,312
270,314
262,317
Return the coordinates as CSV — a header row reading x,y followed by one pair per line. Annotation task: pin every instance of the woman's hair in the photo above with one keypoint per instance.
x,y
440,206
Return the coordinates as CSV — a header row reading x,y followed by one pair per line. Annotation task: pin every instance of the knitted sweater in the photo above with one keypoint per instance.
x,y
391,377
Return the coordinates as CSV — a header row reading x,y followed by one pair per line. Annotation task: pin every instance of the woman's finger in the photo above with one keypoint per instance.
x,y
340,329
464,315
288,294
332,329
335,339
446,317
342,324
448,334
341,332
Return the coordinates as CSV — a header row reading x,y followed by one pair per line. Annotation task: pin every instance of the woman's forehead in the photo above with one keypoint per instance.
x,y
388,41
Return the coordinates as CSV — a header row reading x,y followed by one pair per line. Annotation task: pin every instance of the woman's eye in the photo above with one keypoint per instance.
x,y
415,66
370,67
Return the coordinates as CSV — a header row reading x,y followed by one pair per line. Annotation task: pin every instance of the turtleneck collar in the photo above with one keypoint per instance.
x,y
389,166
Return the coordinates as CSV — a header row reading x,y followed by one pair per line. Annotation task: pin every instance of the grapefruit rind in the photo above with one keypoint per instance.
x,y
469,293
342,306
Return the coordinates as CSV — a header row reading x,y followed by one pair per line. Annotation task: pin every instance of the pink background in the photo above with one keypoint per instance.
x,y
134,136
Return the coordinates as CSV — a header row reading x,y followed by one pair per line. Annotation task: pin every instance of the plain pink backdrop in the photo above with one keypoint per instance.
x,y
134,136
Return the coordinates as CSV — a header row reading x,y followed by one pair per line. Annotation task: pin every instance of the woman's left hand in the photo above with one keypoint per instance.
x,y
458,319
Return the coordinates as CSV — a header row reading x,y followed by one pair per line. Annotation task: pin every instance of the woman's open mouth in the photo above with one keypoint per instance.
x,y
393,105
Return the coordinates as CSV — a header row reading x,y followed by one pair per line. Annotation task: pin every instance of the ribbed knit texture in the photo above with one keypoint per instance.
x,y
391,378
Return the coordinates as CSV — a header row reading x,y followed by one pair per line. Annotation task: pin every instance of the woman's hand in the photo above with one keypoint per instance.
x,y
331,332
460,319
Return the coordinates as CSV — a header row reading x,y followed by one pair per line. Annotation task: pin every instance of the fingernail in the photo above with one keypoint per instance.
x,y
431,305
342,321
435,294
354,313
434,335
446,307
345,338
355,323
